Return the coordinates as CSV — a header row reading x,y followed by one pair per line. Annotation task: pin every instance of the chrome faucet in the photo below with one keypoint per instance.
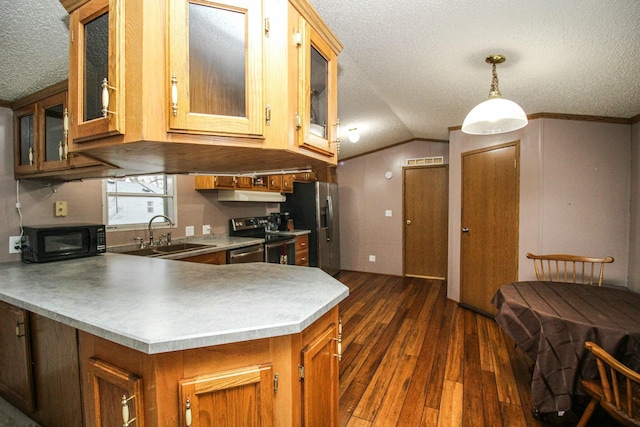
x,y
171,224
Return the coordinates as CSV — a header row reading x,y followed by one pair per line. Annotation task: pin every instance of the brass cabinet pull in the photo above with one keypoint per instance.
x,y
187,413
125,411
174,95
19,334
105,98
339,339
267,114
65,128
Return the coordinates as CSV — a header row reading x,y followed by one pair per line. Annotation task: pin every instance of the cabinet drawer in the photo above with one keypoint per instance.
x,y
302,257
218,258
302,242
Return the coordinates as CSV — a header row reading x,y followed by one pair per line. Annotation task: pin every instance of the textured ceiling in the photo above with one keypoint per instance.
x,y
411,69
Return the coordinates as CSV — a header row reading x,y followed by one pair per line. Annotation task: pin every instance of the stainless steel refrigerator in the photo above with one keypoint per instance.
x,y
314,206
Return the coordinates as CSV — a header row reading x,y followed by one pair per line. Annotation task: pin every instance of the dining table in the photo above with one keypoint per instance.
x,y
551,321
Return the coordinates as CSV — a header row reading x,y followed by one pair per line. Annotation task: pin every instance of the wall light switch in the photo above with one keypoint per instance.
x,y
372,258
388,212
206,229
61,209
189,230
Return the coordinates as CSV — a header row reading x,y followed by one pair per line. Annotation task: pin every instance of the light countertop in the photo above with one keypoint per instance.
x,y
158,305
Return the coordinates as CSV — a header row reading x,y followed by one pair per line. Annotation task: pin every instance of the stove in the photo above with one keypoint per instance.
x,y
279,248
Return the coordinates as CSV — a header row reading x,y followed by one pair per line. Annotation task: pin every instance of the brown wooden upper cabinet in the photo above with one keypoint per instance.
x,y
316,69
216,66
202,86
40,142
40,137
96,70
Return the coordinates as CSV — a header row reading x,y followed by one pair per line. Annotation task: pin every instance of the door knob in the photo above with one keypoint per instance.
x,y
408,222
465,230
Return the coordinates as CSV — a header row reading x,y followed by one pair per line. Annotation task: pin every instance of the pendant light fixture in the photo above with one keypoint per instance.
x,y
495,115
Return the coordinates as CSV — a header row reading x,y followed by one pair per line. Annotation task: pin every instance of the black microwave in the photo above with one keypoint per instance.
x,y
44,243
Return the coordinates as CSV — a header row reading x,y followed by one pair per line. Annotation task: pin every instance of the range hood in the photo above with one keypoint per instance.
x,y
250,196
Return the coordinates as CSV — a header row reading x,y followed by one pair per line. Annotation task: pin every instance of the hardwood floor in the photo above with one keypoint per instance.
x,y
411,357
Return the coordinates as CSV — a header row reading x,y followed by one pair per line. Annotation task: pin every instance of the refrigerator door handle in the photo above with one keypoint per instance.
x,y
329,219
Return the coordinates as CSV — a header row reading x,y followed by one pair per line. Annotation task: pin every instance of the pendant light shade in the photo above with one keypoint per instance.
x,y
495,115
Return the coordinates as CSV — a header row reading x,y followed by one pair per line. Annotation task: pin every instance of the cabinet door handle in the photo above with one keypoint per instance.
x,y
65,128
105,98
174,95
125,411
339,339
19,333
187,413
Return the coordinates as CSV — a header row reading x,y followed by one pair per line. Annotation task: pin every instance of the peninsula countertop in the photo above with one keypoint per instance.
x,y
158,305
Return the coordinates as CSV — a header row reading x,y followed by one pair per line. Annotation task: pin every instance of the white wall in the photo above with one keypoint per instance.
x,y
575,186
365,194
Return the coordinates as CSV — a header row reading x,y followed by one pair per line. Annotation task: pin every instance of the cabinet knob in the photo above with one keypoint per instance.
x,y
408,222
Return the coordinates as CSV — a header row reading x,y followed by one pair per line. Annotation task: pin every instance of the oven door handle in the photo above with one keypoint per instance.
x,y
244,254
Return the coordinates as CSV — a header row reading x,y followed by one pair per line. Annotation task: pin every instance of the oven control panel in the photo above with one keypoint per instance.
x,y
238,224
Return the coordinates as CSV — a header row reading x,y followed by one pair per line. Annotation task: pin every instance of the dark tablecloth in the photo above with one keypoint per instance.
x,y
550,322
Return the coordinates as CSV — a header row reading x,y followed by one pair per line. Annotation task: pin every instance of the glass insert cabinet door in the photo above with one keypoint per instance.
x,y
317,93
96,70
24,123
55,150
216,67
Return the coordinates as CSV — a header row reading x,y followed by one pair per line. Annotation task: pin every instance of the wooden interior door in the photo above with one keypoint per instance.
x,y
489,238
426,195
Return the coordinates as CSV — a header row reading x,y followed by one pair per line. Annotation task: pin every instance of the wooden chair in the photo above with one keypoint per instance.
x,y
569,268
617,390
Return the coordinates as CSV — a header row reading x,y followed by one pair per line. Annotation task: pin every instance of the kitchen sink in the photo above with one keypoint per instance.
x,y
167,249
141,252
179,247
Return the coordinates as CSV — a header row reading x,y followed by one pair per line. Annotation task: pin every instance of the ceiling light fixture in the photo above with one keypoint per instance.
x,y
495,115
354,135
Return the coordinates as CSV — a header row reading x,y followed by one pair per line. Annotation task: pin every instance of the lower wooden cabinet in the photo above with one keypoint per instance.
x,y
319,378
16,383
218,258
39,367
238,397
286,381
55,372
302,250
117,396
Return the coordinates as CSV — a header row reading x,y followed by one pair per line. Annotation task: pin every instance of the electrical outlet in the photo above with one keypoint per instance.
x,y
388,212
14,241
372,258
189,230
206,229
61,208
